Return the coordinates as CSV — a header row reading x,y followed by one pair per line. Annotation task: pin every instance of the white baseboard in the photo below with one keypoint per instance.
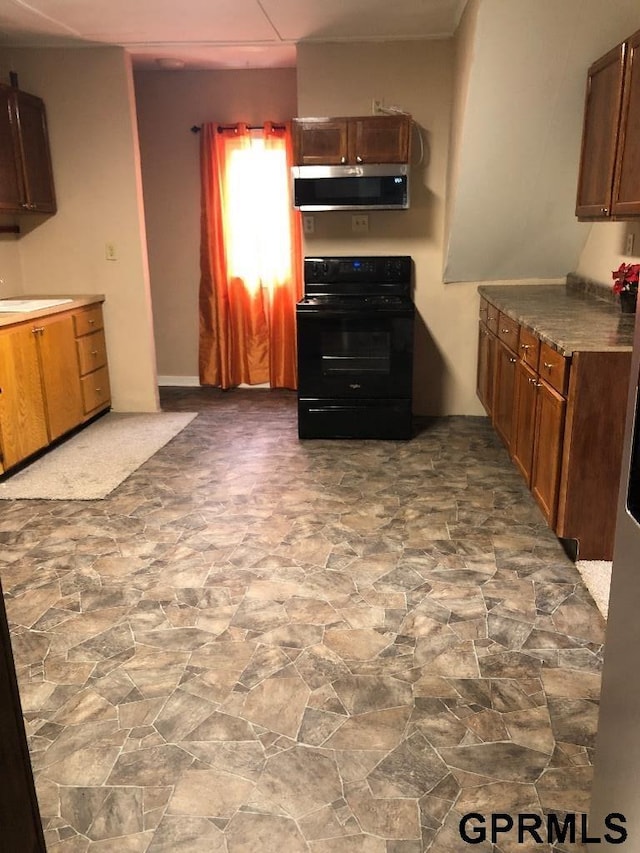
x,y
179,381
193,382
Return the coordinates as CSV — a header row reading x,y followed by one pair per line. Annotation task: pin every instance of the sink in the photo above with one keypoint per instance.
x,y
21,305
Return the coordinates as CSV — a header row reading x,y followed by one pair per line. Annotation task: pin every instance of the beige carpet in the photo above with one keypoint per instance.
x,y
92,463
596,575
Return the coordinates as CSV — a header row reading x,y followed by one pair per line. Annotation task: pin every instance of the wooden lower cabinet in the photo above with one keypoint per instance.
x,y
23,423
53,377
547,457
60,379
562,421
504,390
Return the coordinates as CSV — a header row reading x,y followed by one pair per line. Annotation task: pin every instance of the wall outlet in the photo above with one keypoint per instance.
x,y
629,243
309,224
110,252
360,223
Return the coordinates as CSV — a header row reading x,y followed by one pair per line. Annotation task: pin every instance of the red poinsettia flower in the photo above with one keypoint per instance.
x,y
625,277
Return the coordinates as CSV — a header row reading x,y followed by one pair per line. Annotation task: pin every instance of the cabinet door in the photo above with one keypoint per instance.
x,y
545,476
11,189
600,135
626,193
486,367
379,139
36,159
504,392
60,375
524,415
320,141
22,414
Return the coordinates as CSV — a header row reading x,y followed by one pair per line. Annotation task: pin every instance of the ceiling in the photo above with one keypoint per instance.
x,y
219,33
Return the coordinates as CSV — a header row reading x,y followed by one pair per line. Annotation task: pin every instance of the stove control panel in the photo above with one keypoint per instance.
x,y
382,269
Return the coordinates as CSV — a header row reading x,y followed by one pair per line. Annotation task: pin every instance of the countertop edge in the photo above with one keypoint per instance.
x,y
14,319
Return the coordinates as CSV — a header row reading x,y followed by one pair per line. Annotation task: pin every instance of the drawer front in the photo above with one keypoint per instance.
x,y
529,348
492,318
508,331
554,368
87,321
92,352
95,390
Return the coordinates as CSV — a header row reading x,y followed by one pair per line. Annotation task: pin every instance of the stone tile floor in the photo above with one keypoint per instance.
x,y
261,644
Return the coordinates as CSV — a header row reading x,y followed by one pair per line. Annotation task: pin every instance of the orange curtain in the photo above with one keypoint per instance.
x,y
250,258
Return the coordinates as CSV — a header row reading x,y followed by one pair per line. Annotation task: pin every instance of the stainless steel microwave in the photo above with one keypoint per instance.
x,y
366,187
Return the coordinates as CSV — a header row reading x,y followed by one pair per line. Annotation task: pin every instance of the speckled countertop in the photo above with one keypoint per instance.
x,y
569,317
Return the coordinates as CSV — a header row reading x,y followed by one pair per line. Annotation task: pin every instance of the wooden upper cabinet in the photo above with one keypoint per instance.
x,y
626,191
26,184
600,135
342,141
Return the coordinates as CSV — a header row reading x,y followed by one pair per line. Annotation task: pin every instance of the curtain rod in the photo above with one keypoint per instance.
x,y
198,127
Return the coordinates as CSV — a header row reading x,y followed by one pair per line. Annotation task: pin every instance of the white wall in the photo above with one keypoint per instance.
x,y
169,104
89,99
513,210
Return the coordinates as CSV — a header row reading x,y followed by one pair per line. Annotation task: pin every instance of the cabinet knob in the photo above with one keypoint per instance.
x,y
512,359
358,159
604,211
525,346
343,160
547,365
506,331
92,322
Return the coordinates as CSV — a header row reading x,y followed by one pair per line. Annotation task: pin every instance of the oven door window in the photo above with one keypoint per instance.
x,y
354,353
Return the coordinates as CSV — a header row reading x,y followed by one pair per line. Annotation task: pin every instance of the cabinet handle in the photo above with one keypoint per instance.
x,y
506,331
92,322
513,360
343,160
525,346
37,330
491,319
604,211
358,159
98,390
547,365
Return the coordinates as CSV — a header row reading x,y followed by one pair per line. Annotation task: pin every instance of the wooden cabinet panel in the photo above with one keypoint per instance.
x,y
95,390
529,348
493,315
554,368
379,139
486,367
545,475
320,141
524,430
59,367
626,192
25,159
23,424
508,331
364,139
92,352
504,392
600,135
88,320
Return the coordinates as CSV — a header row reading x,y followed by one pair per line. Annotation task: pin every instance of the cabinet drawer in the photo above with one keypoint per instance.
x,y
492,318
508,331
529,348
554,368
92,352
95,389
87,321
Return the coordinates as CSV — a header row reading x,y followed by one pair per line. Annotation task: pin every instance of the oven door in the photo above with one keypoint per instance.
x,y
352,354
